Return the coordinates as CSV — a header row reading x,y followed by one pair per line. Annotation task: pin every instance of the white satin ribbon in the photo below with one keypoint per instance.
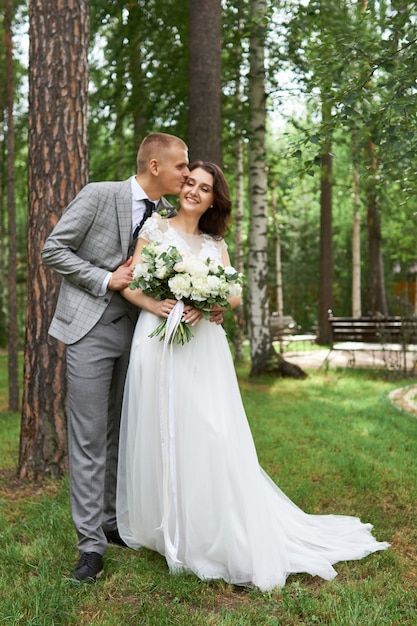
x,y
167,427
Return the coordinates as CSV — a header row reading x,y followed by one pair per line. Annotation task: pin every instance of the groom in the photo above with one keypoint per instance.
x,y
90,247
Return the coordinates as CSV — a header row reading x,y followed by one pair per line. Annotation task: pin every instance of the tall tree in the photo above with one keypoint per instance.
x,y
258,300
11,204
263,356
58,81
205,81
356,246
376,300
376,297
237,63
326,228
238,241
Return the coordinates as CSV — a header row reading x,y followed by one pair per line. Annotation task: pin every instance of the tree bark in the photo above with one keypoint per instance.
x,y
205,88
58,168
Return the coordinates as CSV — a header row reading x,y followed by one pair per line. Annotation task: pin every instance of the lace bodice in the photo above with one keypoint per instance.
x,y
202,246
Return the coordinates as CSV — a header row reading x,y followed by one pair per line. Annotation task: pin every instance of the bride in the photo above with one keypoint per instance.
x,y
189,481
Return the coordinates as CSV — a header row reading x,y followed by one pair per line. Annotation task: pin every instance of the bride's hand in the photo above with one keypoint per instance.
x,y
191,316
163,308
216,315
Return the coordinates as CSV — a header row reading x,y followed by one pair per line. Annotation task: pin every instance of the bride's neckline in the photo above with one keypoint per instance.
x,y
183,232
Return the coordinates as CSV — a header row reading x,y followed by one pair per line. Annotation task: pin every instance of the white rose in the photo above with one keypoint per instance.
x,y
196,267
161,272
215,285
200,288
230,271
180,266
235,289
141,269
180,285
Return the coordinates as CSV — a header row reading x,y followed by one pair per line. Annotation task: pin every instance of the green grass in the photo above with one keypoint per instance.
x,y
333,443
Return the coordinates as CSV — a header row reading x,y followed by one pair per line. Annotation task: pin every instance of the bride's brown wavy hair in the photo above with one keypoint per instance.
x,y
215,221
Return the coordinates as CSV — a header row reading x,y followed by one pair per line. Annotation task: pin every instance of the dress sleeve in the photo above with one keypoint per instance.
x,y
153,229
222,245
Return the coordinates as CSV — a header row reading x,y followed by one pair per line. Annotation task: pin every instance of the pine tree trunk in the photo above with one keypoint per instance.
x,y
3,242
278,265
326,234
239,328
356,249
326,252
58,80
238,259
205,88
376,297
13,366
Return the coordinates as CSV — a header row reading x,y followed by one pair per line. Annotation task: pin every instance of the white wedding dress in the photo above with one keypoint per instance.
x,y
189,482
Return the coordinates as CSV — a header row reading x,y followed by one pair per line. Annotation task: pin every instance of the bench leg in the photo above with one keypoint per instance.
x,y
325,364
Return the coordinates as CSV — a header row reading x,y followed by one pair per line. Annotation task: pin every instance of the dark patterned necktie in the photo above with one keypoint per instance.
x,y
150,208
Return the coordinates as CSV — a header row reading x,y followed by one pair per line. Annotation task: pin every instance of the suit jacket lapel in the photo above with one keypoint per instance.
x,y
124,212
165,209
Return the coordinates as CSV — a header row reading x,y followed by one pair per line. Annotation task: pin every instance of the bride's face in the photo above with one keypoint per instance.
x,y
197,192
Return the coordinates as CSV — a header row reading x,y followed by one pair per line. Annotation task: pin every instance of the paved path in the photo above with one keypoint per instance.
x,y
405,397
315,359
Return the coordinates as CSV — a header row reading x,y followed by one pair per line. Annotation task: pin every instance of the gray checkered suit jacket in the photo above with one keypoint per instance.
x,y
91,239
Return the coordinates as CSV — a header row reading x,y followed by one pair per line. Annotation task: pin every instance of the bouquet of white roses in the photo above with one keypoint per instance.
x,y
165,273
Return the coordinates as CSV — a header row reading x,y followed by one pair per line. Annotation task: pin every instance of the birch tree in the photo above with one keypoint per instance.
x,y
263,356
258,303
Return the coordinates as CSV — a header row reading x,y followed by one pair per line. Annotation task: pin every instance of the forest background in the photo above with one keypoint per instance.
x,y
309,107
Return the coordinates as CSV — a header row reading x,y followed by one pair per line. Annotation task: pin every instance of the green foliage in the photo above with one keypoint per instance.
x,y
357,58
333,443
20,173
138,80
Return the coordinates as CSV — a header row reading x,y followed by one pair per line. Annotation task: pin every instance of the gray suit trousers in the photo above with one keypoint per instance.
x,y
97,366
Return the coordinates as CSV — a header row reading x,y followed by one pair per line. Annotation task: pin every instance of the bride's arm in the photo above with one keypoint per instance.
x,y
162,308
216,314
234,301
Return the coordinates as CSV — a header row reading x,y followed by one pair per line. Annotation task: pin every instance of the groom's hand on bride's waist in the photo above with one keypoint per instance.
x,y
216,316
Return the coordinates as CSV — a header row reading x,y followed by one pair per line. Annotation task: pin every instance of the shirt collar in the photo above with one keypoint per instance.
x,y
138,193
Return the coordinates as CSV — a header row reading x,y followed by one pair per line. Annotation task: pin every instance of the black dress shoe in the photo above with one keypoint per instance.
x,y
114,537
89,568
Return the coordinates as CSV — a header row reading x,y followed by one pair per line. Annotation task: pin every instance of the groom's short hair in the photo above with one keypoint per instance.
x,y
153,146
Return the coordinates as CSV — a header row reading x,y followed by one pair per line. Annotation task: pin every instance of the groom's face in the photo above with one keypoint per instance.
x,y
173,170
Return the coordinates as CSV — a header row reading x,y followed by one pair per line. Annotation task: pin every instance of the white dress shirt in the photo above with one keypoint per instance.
x,y
138,210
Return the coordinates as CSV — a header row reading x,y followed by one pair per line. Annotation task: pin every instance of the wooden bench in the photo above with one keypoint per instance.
x,y
285,330
384,334
282,326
